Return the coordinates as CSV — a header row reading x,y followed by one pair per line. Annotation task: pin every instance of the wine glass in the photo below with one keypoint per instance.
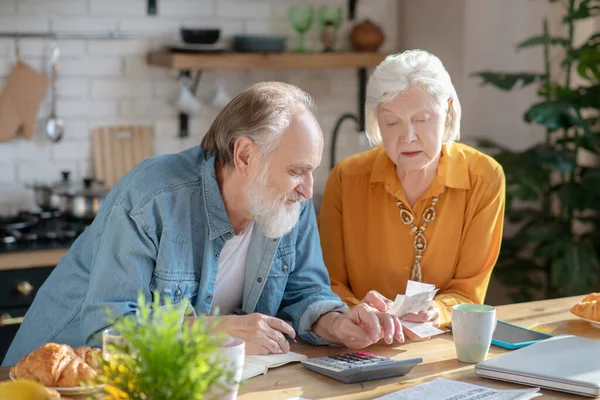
x,y
301,18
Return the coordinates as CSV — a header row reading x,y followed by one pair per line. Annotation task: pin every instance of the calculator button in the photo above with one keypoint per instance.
x,y
363,353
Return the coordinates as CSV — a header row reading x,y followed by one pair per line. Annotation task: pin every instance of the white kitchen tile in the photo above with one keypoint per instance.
x,y
83,24
84,169
186,8
167,89
243,9
71,48
121,89
24,24
8,7
69,150
86,108
119,8
146,108
69,7
38,150
91,66
77,129
167,145
41,48
43,171
154,25
7,153
167,128
72,87
51,7
117,47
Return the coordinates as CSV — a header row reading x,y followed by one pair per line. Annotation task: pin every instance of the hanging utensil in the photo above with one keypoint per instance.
x,y
55,126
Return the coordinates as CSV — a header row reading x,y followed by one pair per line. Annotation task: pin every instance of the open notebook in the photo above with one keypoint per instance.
x,y
259,365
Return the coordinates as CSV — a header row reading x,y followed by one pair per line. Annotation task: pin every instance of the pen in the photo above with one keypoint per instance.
x,y
239,311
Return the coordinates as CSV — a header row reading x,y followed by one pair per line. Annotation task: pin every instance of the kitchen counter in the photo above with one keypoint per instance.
x,y
31,259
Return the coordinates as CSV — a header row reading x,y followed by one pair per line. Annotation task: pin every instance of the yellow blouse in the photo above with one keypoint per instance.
x,y
367,247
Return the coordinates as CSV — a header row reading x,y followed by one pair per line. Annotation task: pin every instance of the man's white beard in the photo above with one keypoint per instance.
x,y
268,208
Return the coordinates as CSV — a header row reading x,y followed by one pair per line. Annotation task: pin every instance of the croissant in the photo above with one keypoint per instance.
x,y
587,309
89,355
54,365
591,297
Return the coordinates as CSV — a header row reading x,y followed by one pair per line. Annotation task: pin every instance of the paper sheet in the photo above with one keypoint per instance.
x,y
258,365
447,389
419,297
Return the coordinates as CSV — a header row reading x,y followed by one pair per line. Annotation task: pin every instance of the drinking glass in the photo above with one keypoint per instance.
x,y
301,18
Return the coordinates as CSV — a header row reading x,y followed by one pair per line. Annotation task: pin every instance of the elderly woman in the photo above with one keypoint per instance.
x,y
417,207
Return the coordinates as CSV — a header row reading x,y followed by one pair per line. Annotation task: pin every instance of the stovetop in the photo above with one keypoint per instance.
x,y
45,230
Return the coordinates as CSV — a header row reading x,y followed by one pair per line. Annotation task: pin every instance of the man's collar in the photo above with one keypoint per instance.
x,y
216,214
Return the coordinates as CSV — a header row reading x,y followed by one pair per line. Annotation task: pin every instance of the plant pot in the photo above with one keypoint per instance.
x,y
232,354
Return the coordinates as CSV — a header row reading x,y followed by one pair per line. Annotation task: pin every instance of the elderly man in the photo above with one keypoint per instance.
x,y
224,225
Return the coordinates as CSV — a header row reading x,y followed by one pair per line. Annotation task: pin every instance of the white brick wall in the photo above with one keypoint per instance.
x,y
56,7
84,24
186,8
8,7
91,66
243,9
117,8
120,89
107,82
29,24
69,88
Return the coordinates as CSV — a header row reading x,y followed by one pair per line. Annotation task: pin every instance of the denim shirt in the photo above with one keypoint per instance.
x,y
161,229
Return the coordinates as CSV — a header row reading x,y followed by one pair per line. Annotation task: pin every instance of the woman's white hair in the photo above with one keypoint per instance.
x,y
400,72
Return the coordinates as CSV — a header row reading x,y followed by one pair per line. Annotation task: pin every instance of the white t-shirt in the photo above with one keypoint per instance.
x,y
229,287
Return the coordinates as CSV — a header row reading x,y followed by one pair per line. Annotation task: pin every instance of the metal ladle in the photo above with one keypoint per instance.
x,y
55,126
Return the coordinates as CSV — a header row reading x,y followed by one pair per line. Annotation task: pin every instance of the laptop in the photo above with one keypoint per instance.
x,y
565,363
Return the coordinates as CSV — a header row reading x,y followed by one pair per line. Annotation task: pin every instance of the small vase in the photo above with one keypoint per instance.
x,y
367,36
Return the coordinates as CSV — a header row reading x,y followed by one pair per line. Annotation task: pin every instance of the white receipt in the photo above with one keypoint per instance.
x,y
447,389
419,297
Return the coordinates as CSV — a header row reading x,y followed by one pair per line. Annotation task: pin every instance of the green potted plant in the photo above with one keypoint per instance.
x,y
553,193
158,355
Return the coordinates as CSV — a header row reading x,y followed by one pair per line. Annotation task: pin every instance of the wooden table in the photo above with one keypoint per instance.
x,y
551,316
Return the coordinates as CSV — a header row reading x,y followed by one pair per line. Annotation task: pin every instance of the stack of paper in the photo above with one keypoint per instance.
x,y
418,297
259,365
446,389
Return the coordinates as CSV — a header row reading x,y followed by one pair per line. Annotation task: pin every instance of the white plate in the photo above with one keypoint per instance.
x,y
75,390
595,324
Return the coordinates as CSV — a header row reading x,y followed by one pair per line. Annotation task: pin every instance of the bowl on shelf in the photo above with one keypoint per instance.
x,y
259,43
200,36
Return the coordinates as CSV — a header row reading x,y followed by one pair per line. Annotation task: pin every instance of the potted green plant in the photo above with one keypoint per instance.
x,y
158,355
553,194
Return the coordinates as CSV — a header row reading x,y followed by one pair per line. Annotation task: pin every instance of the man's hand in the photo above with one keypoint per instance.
x,y
262,334
432,314
360,327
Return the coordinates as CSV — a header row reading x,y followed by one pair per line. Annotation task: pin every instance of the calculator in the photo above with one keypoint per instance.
x,y
360,366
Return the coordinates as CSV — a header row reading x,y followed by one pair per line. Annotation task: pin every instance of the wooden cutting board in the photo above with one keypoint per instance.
x,y
117,149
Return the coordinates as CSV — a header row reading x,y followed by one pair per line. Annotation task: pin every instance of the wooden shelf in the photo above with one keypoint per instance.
x,y
198,61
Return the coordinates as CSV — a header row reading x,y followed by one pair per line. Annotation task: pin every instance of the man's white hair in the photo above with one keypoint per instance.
x,y
401,72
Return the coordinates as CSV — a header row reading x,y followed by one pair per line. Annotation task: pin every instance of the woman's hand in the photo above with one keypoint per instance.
x,y
432,315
